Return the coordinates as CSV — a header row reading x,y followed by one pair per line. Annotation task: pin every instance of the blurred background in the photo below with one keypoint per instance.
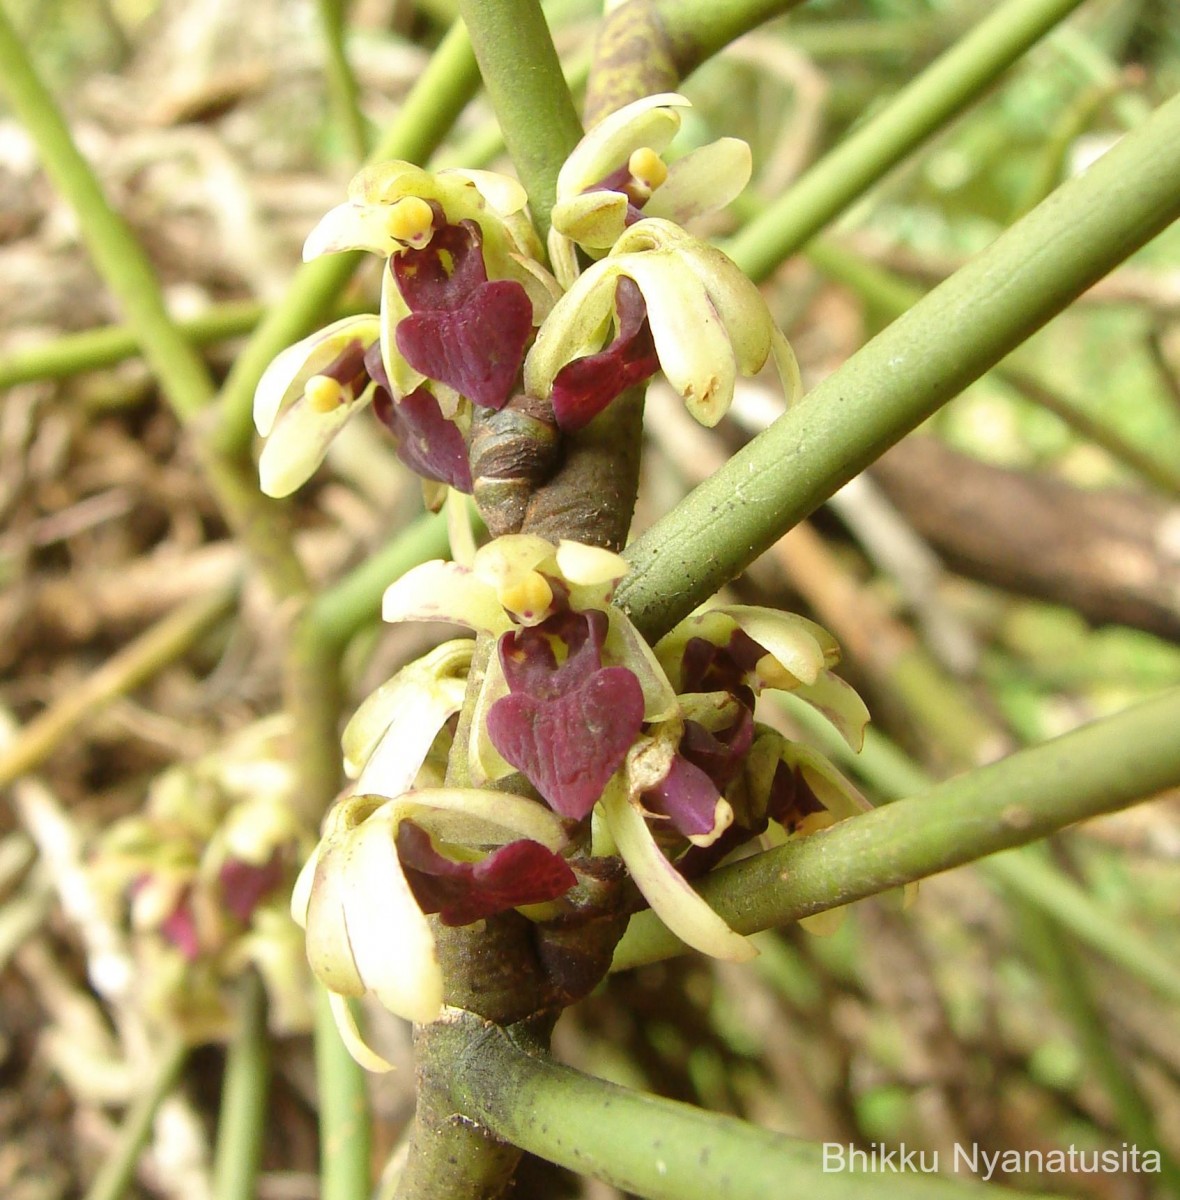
x,y
1004,575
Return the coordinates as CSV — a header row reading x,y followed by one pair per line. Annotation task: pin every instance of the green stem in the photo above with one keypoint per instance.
x,y
93,349
1100,768
891,296
342,87
528,91
697,29
947,340
1024,874
241,1122
942,91
642,1144
442,91
344,1111
116,252
118,1171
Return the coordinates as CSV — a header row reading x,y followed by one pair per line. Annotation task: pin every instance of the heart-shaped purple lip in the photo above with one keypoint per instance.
x,y
477,349
462,330
566,725
522,872
568,747
586,386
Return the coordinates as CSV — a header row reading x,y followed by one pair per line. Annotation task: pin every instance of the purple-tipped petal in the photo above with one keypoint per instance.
x,y
687,796
243,884
522,872
586,386
719,755
569,746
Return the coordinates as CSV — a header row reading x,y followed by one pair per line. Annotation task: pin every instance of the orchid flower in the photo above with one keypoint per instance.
x,y
460,297
200,876
307,395
381,866
696,316
399,849
567,700
616,174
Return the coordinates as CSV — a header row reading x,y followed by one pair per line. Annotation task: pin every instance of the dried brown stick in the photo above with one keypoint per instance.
x,y
1114,556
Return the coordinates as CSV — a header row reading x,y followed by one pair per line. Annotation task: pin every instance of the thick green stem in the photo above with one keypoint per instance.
x,y
116,251
943,90
241,1123
1099,768
947,340
442,91
118,1172
1024,874
643,1144
890,296
523,77
697,29
344,1111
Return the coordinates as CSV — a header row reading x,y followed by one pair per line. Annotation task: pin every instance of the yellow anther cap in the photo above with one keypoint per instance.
x,y
411,222
647,167
323,393
529,597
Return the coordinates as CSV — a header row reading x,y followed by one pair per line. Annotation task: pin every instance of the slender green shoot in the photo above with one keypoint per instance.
x,y
242,1118
342,85
118,1172
344,1111
116,251
941,92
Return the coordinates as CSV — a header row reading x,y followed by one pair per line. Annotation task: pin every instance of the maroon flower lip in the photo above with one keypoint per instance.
x,y
462,330
585,387
429,444
567,727
522,872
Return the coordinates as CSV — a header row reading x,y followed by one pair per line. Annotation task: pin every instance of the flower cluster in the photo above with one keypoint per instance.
x,y
202,878
651,756
472,321
558,750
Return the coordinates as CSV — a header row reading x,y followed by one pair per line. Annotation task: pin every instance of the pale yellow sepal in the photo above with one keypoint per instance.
x,y
663,887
